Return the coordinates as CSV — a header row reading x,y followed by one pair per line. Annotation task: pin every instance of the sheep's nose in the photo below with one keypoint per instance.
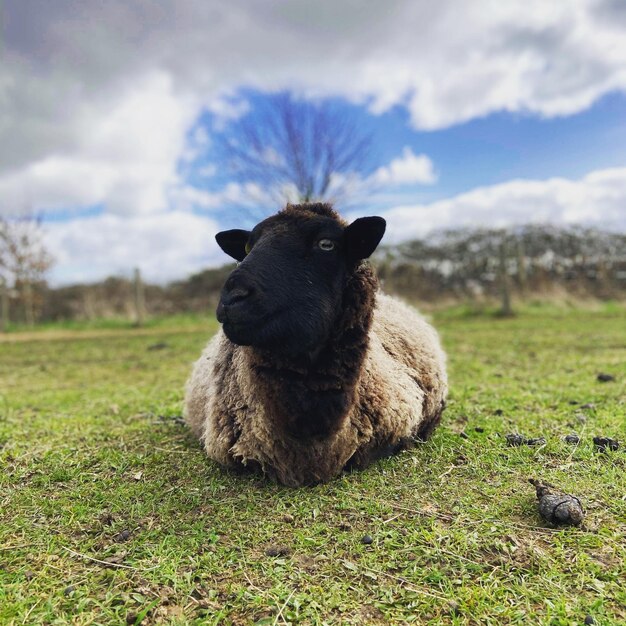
x,y
236,295
236,292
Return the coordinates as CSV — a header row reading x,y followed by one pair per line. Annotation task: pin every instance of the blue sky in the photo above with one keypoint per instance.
x,y
481,114
492,149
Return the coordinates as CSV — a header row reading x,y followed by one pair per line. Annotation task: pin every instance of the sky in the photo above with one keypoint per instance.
x,y
482,113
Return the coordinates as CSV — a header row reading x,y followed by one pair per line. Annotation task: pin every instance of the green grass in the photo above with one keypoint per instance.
x,y
88,450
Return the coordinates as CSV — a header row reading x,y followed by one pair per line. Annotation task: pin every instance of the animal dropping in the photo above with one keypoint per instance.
x,y
515,440
314,370
557,508
605,444
572,438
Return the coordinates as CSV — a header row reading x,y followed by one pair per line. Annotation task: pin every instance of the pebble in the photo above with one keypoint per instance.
x,y
278,551
455,607
123,536
367,540
605,378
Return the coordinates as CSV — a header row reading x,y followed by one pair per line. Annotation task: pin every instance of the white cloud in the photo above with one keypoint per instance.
x,y
124,156
174,244
409,168
249,195
164,246
598,199
446,61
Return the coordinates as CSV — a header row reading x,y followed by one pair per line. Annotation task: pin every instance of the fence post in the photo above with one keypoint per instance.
x,y
522,273
505,287
139,298
4,305
29,307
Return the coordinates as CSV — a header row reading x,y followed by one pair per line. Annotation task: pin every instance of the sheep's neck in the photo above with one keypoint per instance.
x,y
311,398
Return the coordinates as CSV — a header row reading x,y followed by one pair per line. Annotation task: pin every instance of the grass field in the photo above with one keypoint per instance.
x,y
111,514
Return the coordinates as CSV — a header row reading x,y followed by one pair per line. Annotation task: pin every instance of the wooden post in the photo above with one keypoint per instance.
x,y
4,305
505,287
29,308
522,273
139,298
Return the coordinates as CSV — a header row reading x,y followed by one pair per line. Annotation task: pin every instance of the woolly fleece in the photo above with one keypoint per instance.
x,y
399,395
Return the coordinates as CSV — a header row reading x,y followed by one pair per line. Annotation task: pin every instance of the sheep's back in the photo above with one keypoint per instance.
x,y
403,386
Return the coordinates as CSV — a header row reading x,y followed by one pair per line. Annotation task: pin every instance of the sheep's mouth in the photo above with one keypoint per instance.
x,y
249,330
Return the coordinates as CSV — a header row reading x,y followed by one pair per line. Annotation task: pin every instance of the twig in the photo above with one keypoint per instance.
x,y
108,563
405,582
30,611
21,545
282,608
452,467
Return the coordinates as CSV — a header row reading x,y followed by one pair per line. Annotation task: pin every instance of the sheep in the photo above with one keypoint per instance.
x,y
314,371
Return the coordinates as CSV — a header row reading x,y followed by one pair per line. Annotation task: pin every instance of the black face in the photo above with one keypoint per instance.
x,y
286,293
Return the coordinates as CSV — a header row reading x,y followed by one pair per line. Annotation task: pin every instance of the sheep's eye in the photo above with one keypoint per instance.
x,y
248,247
326,244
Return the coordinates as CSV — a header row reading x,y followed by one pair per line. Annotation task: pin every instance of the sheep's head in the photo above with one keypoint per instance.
x,y
286,293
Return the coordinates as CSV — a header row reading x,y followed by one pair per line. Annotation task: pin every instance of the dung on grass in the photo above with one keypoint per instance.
x,y
556,507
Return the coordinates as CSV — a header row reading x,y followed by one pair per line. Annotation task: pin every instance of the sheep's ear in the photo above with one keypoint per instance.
x,y
233,242
362,237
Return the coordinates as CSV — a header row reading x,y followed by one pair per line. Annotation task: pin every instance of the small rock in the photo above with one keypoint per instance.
x,y
589,620
605,378
367,540
115,559
603,444
557,508
123,536
455,607
278,551
69,590
177,419
106,518
572,438
288,519
137,476
588,405
158,346
581,418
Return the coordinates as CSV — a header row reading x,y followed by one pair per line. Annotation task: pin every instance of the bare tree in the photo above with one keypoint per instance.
x,y
24,259
301,150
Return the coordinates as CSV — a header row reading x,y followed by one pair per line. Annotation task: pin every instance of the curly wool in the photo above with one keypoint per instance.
x,y
383,356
